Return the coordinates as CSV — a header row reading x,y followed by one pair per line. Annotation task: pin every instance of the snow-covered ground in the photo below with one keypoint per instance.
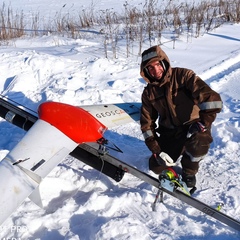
x,y
81,203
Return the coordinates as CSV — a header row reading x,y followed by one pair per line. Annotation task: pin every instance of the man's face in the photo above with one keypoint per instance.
x,y
156,70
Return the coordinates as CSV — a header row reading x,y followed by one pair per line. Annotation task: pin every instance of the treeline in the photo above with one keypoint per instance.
x,y
135,25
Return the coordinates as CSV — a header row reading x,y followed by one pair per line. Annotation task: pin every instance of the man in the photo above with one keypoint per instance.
x,y
177,112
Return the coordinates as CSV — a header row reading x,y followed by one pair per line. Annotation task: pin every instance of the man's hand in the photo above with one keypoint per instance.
x,y
163,159
196,127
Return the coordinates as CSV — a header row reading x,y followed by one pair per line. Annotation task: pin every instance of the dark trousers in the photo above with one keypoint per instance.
x,y
174,142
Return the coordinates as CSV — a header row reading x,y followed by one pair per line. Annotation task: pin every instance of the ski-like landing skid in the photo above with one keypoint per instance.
x,y
186,198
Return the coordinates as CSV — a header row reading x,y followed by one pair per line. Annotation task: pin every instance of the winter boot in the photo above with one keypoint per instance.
x,y
189,170
189,179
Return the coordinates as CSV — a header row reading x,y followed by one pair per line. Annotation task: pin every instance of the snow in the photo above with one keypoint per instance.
x,y
80,202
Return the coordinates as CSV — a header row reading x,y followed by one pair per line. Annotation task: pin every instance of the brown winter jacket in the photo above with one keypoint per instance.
x,y
179,98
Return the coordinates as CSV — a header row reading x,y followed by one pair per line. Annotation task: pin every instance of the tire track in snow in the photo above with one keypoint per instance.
x,y
225,151
226,67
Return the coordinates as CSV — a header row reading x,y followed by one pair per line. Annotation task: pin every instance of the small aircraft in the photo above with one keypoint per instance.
x,y
59,129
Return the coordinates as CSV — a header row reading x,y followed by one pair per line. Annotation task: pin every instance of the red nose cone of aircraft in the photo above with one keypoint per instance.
x,y
76,123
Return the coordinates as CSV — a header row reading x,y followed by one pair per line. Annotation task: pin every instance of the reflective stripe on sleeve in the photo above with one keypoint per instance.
x,y
210,105
147,134
195,159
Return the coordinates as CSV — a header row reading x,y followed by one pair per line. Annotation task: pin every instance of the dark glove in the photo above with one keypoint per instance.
x,y
153,145
163,159
196,127
159,160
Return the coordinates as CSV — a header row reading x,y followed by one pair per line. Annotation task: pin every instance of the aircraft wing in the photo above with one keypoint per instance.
x,y
58,131
112,115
